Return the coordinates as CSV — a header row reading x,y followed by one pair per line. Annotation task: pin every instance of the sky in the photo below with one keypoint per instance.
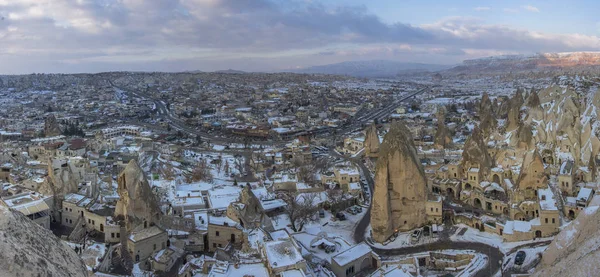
x,y
72,36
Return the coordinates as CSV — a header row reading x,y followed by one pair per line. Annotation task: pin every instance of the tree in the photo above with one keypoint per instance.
x,y
201,173
300,208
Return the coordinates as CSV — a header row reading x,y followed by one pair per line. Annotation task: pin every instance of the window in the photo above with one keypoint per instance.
x,y
349,270
436,209
118,235
220,245
432,209
545,219
154,247
94,222
112,235
553,220
66,220
217,233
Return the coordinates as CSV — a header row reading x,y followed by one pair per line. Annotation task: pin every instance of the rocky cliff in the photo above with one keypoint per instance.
x,y
371,141
27,249
400,189
51,127
442,139
575,251
137,203
475,154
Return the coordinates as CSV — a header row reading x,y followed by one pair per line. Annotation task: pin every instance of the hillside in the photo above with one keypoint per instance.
x,y
373,68
27,249
541,61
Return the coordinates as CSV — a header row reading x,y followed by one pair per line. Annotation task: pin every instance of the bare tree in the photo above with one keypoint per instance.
x,y
169,172
335,197
201,173
300,208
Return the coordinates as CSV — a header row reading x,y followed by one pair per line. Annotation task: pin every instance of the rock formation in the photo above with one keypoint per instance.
x,y
61,179
372,142
532,175
51,127
575,251
514,111
137,204
475,154
442,138
27,249
522,138
400,189
488,122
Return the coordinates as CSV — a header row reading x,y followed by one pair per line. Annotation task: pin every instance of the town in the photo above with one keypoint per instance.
x,y
255,174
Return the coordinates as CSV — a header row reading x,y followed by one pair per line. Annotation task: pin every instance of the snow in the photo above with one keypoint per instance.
x,y
547,201
220,198
282,253
584,194
352,254
517,225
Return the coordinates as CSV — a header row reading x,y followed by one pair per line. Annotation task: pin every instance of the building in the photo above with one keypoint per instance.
x,y
142,243
283,255
33,205
359,259
223,231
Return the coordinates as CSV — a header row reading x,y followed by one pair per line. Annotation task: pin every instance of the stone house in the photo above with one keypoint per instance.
x,y
359,259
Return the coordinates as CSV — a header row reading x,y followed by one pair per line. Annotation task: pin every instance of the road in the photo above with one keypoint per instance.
x,y
494,254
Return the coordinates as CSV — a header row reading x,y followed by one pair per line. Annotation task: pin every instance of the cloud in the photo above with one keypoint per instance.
x,y
531,8
481,9
509,10
68,35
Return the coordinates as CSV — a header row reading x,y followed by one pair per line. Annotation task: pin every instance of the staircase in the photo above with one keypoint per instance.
x,y
557,196
79,231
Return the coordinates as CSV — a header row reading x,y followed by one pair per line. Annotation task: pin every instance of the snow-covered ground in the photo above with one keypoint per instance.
x,y
405,240
530,256
474,235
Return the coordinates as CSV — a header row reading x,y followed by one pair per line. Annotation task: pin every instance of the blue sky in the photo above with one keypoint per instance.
x,y
271,35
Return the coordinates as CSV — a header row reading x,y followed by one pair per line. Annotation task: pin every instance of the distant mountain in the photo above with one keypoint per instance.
x,y
231,71
541,61
373,68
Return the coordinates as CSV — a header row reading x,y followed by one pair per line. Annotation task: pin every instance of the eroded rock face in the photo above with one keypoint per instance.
x,y
371,142
61,179
27,249
442,139
51,127
514,112
532,175
137,204
487,117
475,154
400,189
575,251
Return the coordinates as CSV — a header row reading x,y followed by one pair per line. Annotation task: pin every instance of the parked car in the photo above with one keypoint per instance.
x,y
351,210
321,213
520,257
340,216
416,235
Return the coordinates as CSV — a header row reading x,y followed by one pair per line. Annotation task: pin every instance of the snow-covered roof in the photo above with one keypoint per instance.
x,y
512,226
282,253
352,254
547,201
584,194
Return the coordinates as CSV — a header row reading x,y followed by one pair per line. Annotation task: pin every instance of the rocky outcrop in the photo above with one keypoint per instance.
x,y
522,138
442,138
137,204
371,142
487,117
61,179
400,189
575,251
51,127
27,249
475,154
532,175
514,111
